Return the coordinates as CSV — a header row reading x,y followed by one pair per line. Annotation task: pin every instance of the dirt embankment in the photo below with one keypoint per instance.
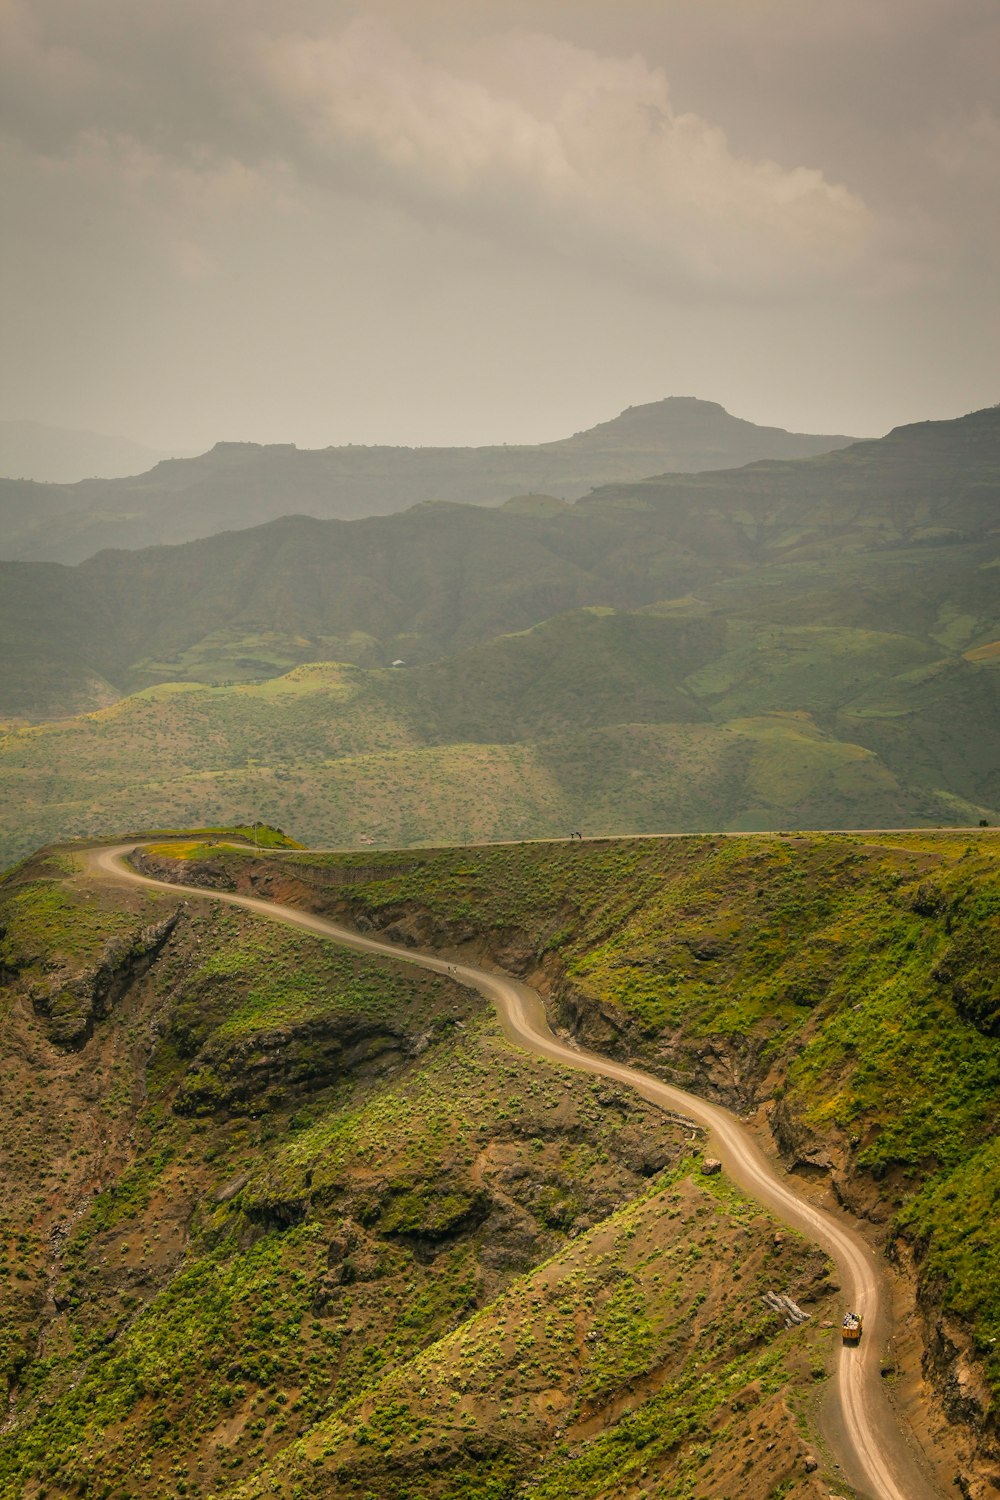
x,y
932,1365
727,1071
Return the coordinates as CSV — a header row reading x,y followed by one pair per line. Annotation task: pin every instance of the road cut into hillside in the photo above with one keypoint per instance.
x,y
874,1453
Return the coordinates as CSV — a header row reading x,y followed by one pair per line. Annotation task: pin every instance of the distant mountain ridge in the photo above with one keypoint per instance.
x,y
65,455
438,578
237,485
809,643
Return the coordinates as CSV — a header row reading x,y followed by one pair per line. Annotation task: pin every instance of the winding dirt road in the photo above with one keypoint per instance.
x,y
874,1453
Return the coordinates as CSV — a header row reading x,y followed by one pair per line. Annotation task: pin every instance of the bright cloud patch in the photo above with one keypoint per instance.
x,y
540,139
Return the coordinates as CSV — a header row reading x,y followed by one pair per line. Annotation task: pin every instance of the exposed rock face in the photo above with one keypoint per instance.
x,y
949,1363
251,1075
802,1149
210,873
728,1069
9,966
642,1154
595,1024
830,1158
72,1003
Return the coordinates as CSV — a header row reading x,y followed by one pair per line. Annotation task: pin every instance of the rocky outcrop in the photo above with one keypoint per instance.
x,y
255,1073
802,1149
10,967
595,1023
951,1366
71,1003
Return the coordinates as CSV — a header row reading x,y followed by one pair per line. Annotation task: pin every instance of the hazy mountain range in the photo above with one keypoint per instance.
x,y
244,484
813,642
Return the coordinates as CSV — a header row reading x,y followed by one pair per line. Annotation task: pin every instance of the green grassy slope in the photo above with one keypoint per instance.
x,y
278,1219
783,644
595,720
605,1322
840,541
432,580
599,720
849,986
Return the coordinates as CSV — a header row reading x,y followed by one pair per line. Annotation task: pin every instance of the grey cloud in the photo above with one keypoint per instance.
x,y
578,152
479,219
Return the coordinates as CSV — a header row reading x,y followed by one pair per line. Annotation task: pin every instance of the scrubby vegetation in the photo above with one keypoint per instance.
x,y
286,1220
850,984
260,835
608,1324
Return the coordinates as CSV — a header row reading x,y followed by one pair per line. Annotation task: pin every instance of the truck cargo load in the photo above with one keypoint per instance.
x,y
852,1327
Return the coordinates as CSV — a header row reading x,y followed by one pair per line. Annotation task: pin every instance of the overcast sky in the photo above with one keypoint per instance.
x,y
461,221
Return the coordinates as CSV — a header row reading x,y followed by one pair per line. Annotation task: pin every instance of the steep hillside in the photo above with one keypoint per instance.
x,y
924,483
844,989
245,484
280,1220
253,603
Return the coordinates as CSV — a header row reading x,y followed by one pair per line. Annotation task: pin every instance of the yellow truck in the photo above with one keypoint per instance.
x,y
851,1328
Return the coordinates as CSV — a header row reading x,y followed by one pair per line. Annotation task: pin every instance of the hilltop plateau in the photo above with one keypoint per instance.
x,y
245,484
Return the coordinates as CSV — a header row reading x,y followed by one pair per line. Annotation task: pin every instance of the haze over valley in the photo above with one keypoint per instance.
x,y
808,641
